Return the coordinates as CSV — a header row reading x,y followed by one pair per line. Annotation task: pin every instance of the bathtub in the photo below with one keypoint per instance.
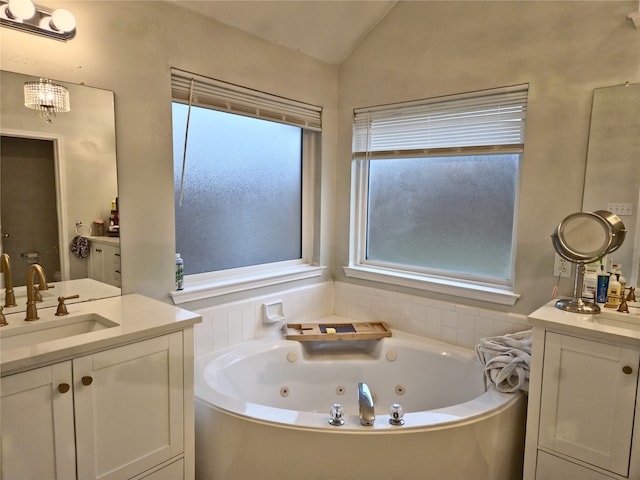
x,y
262,412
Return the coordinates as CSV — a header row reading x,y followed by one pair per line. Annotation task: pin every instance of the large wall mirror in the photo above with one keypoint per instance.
x,y
613,167
54,176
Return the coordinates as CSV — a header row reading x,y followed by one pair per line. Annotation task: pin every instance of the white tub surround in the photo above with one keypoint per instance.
x,y
231,323
258,402
114,402
584,409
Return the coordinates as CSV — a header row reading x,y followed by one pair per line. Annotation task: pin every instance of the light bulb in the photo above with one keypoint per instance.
x,y
63,20
20,10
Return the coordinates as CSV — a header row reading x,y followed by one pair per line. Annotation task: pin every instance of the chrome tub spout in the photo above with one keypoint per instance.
x,y
365,400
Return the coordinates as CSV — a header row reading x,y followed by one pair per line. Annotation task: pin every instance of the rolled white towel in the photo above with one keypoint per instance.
x,y
506,360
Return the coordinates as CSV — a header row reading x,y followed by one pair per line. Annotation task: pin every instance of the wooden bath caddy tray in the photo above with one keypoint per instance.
x,y
308,332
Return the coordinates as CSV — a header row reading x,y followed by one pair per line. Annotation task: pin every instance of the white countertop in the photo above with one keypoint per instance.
x,y
115,241
87,288
606,325
138,317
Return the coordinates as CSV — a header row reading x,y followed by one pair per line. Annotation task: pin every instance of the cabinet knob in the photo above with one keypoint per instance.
x,y
64,387
627,370
86,381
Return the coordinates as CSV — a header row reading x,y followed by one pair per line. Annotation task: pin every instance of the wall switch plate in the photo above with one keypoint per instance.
x,y
561,267
620,209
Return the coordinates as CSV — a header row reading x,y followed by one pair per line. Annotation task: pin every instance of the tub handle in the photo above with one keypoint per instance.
x,y
395,414
337,414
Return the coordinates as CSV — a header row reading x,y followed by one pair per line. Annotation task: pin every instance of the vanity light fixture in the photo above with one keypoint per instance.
x,y
47,97
25,16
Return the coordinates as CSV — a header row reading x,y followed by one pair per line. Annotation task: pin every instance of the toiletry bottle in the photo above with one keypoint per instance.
x,y
613,291
603,285
179,272
590,284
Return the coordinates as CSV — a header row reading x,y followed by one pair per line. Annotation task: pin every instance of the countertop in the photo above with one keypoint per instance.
x,y
114,241
138,317
606,325
87,288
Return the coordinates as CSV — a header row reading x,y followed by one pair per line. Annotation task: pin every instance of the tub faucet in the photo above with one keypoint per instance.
x,y
365,399
32,312
5,267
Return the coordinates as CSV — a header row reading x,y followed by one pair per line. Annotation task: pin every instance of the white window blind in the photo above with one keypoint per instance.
x,y
488,120
226,97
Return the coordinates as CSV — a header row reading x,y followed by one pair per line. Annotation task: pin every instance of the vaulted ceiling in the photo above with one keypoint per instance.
x,y
327,30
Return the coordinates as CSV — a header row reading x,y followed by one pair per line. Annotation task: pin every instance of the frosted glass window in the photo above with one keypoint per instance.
x,y
242,197
435,194
452,215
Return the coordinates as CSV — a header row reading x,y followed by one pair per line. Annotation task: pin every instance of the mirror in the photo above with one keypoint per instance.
x,y
613,167
582,238
56,179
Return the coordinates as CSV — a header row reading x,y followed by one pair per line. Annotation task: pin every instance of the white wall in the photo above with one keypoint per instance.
x,y
562,49
129,47
422,49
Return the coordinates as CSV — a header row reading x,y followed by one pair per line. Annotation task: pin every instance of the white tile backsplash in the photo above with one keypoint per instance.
x,y
232,323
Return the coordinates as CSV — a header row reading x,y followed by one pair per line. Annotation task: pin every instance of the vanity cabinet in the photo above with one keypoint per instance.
x,y
104,261
114,414
583,404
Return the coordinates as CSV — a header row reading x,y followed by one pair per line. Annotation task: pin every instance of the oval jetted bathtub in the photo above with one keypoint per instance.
x,y
263,407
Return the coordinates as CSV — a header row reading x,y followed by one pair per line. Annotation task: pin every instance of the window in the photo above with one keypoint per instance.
x,y
436,191
242,204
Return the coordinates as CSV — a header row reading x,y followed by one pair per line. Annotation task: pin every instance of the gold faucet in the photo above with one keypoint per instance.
x,y
32,312
5,267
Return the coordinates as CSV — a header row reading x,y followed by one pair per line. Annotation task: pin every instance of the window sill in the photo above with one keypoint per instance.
x,y
200,287
458,288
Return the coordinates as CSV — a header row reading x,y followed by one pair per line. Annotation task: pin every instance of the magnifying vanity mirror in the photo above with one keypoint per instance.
x,y
56,179
583,238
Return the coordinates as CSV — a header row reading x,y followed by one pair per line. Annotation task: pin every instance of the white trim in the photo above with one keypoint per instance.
x,y
447,286
203,286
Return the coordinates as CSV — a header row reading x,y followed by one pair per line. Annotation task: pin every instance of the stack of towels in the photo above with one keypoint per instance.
x,y
506,360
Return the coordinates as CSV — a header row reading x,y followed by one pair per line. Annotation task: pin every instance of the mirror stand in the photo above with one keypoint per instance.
x,y
577,304
582,238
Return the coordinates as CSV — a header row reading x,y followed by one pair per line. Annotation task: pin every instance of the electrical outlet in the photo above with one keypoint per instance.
x,y
621,209
561,267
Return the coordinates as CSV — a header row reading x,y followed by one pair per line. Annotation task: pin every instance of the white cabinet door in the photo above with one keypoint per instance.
x,y
588,399
37,424
104,263
129,408
96,262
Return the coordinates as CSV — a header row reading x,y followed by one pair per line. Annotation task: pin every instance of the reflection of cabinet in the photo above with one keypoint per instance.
x,y
112,414
104,262
582,407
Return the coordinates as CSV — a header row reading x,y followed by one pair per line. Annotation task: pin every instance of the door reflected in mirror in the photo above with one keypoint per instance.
x,y
54,175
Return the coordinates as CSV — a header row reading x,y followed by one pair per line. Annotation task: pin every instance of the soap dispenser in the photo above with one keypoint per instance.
x,y
613,292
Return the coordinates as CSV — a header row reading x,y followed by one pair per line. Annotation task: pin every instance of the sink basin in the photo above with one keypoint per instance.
x,y
54,329
630,321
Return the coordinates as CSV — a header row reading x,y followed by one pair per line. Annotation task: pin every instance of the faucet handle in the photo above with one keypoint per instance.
x,y
337,414
395,414
62,308
3,319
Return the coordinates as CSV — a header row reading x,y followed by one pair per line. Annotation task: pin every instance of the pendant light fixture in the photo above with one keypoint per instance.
x,y
47,97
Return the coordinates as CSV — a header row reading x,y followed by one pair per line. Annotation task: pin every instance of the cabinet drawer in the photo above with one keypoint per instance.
x,y
550,467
